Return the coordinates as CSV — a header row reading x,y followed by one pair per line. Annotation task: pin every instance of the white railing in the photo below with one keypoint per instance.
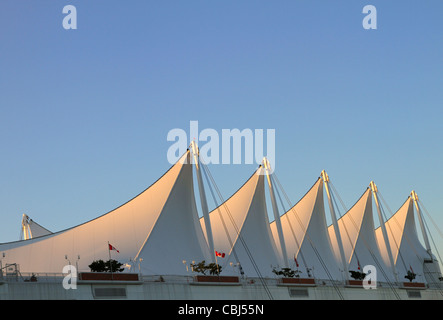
x,y
33,277
245,281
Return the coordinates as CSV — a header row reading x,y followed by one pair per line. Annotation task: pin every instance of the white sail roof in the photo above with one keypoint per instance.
x,y
161,229
160,225
358,237
408,253
37,230
306,236
240,228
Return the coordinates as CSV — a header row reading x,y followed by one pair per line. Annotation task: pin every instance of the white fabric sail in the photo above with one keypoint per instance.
x,y
159,225
408,253
37,230
160,229
358,237
240,228
306,236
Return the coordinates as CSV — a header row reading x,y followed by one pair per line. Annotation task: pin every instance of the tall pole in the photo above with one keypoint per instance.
x,y
422,225
110,261
276,213
27,233
325,178
204,203
383,229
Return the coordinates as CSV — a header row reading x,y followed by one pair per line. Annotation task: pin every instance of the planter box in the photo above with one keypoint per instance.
x,y
107,276
216,279
302,282
298,280
354,283
415,285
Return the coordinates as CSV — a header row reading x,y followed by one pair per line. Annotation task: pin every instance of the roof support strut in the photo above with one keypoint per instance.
x,y
383,229
204,204
325,178
26,229
276,213
422,225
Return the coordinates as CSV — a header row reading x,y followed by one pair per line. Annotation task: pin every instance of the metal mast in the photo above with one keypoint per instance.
x,y
383,229
203,201
276,212
325,178
26,229
422,225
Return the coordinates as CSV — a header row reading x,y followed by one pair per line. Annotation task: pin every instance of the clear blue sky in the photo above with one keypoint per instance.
x,y
84,114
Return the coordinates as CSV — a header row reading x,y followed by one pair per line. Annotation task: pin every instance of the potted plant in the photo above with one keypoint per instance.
x,y
410,275
286,272
110,270
290,276
202,267
358,277
214,271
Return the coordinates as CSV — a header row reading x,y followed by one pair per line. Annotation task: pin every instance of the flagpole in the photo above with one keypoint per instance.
x,y
296,262
216,263
110,261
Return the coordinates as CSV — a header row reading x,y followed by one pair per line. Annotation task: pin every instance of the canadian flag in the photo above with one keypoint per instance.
x,y
113,248
220,254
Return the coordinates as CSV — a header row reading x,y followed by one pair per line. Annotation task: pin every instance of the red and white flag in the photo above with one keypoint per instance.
x,y
112,248
220,254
